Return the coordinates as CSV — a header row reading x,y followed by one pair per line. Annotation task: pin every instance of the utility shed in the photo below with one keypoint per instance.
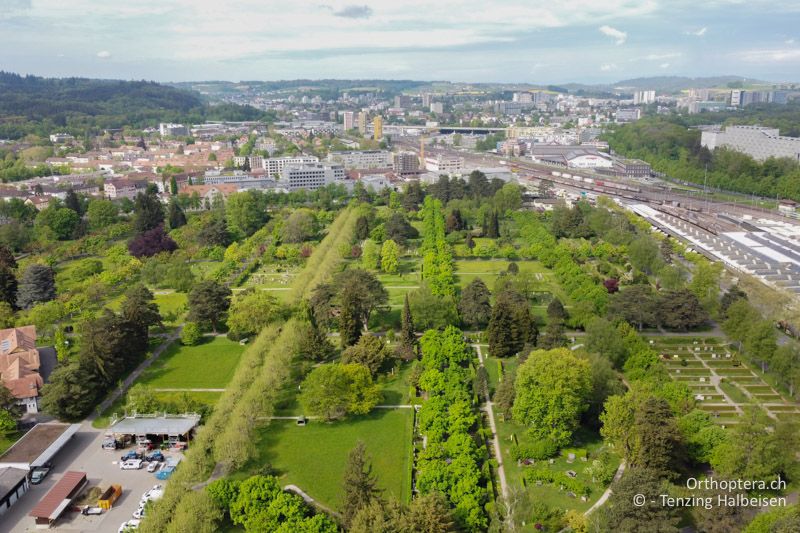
x,y
38,446
60,497
13,484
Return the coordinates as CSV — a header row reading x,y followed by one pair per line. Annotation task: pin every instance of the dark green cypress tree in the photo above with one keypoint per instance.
x,y
408,340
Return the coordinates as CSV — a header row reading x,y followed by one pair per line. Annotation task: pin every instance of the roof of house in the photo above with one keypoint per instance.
x,y
19,361
60,496
202,190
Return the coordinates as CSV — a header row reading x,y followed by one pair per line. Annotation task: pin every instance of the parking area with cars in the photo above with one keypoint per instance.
x,y
85,452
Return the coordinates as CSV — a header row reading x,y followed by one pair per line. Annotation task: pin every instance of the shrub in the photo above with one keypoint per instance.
x,y
191,334
538,450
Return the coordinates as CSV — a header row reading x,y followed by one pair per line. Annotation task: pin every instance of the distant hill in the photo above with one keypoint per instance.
x,y
668,84
31,104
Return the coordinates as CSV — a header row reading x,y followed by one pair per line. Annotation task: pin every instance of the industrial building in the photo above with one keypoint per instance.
x,y
758,142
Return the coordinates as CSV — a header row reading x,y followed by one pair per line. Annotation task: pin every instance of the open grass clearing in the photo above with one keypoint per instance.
x,y
208,365
314,456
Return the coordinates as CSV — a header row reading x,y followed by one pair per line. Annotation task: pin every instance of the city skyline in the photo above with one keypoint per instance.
x,y
460,41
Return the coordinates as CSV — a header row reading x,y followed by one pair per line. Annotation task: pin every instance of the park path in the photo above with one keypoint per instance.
x,y
600,501
501,472
309,500
133,376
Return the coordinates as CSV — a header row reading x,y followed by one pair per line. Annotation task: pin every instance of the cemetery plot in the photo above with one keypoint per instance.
x,y
719,380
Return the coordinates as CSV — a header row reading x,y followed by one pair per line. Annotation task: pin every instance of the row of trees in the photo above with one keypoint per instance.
x,y
451,462
437,258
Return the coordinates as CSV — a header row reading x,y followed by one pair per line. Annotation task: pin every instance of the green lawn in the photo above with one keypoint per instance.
x,y
207,366
172,306
313,457
7,441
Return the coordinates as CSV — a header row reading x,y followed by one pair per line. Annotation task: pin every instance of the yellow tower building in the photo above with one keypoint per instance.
x,y
377,128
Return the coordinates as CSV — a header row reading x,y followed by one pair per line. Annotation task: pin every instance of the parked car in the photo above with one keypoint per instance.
x,y
152,467
111,444
153,494
156,456
165,472
138,514
131,464
130,525
131,455
86,510
38,473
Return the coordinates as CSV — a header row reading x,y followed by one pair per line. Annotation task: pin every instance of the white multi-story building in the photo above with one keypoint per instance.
x,y
756,141
437,107
362,158
173,130
444,164
275,165
628,115
644,97
239,178
311,176
349,120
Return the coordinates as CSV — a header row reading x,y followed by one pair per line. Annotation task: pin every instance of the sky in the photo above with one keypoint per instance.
x,y
525,41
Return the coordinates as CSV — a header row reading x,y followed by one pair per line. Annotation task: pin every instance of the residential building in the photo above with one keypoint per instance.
x,y
311,176
376,182
362,122
437,108
758,142
208,195
405,163
377,128
275,165
524,98
20,364
348,118
628,115
265,145
238,178
427,98
60,138
402,101
123,188
644,97
172,130
740,98
509,108
699,107
361,158
444,164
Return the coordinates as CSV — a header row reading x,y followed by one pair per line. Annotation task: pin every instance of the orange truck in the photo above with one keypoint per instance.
x,y
108,498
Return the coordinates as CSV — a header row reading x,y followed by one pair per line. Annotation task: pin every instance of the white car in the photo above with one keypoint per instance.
x,y
138,514
131,464
153,494
130,525
152,467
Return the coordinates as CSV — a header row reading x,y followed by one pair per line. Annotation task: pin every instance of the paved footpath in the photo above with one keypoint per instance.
x,y
501,472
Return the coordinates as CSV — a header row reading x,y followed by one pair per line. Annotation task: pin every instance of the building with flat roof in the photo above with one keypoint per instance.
x,y
38,446
361,158
13,484
444,164
311,177
758,142
377,128
405,163
158,425
275,165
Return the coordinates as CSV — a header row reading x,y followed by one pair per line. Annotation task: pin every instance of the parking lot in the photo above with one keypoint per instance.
x,y
84,453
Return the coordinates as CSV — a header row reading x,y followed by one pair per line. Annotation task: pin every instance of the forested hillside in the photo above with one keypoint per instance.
x,y
31,104
671,147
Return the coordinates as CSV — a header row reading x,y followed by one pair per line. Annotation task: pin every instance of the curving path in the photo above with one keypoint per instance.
x,y
501,472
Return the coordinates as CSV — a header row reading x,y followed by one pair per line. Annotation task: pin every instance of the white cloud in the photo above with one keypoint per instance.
x,y
771,56
697,33
608,67
664,65
659,57
789,41
619,36
104,54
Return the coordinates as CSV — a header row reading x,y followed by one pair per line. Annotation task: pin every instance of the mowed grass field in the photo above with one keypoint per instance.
x,y
209,365
314,456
